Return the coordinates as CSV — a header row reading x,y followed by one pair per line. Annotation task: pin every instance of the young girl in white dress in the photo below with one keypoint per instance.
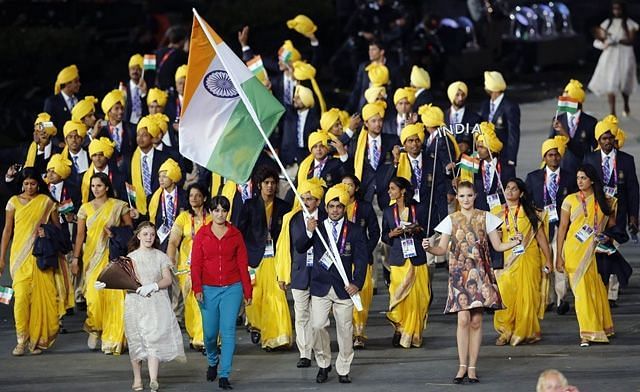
x,y
150,325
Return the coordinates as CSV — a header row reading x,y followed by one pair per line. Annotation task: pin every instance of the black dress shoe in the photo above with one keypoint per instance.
x,y
212,373
239,321
323,375
473,380
303,363
255,337
612,304
563,308
223,383
395,341
459,380
344,379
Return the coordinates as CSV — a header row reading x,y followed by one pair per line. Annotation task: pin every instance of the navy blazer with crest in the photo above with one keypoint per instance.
x,y
300,273
368,221
507,122
535,182
396,257
582,142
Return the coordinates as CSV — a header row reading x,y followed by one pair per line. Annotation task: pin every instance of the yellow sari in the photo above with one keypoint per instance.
x,y
409,297
35,309
105,308
591,301
366,294
520,285
269,310
187,226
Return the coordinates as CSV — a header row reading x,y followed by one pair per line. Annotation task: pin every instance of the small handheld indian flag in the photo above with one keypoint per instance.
x,y
256,67
284,55
469,163
131,194
6,293
567,105
149,62
65,207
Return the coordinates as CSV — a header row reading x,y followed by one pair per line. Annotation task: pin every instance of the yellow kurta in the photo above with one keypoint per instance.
x,y
269,310
187,226
35,308
519,283
105,308
591,301
366,294
409,297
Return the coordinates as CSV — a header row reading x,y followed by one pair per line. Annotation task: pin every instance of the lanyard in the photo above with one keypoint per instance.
x,y
544,188
193,223
396,215
515,218
583,200
343,240
175,206
165,57
355,211
487,187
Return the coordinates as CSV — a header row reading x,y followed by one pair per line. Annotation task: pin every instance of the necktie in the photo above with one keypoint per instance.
x,y
334,231
553,187
287,91
115,134
170,211
572,126
606,170
245,191
492,111
70,103
417,173
75,163
136,106
375,154
300,131
52,189
146,176
317,170
487,178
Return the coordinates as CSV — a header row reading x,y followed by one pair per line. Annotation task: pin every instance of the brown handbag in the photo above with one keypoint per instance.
x,y
119,274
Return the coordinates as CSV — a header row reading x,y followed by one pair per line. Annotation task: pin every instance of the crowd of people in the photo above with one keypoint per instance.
x,y
393,179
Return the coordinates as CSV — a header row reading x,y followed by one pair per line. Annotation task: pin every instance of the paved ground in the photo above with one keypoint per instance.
x,y
69,366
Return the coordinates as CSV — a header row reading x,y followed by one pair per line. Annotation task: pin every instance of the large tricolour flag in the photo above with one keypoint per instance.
x,y
223,105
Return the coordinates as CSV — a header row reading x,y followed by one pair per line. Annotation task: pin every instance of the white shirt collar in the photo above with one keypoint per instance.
x,y
611,155
172,193
378,139
328,224
58,190
160,146
133,85
313,215
418,158
497,101
549,171
65,96
149,155
47,150
105,171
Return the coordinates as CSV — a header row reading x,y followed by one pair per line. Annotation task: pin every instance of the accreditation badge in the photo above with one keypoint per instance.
x,y
517,250
408,248
310,257
163,232
610,191
493,201
585,232
552,213
269,250
326,261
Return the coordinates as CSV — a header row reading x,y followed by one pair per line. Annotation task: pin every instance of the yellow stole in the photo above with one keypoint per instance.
x,y
85,188
283,248
31,155
228,190
153,205
361,153
305,167
316,89
136,179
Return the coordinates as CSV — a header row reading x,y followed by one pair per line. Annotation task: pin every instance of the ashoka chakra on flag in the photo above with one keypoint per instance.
x,y
219,84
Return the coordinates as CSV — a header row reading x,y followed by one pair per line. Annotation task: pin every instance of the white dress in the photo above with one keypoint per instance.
x,y
616,69
149,322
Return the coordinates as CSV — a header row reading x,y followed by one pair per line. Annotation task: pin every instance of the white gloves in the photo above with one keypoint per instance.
x,y
147,289
98,285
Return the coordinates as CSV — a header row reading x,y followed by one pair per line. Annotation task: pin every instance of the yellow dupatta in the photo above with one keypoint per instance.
x,y
27,219
96,247
136,179
153,204
283,247
31,155
85,188
305,167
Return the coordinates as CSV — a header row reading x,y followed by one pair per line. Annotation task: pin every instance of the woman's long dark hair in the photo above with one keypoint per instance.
x,y
106,181
30,173
205,195
598,191
624,15
526,203
356,182
405,184
134,242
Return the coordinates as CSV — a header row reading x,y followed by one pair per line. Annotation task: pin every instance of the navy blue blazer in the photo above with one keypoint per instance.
x,y
582,142
300,273
627,185
507,122
129,106
172,110
183,204
368,221
75,177
357,100
478,185
352,255
535,189
424,98
129,144
253,226
396,257
41,163
159,157
289,150
468,121
57,108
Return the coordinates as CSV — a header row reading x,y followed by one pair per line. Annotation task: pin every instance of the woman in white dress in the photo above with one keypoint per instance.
x,y
150,324
616,69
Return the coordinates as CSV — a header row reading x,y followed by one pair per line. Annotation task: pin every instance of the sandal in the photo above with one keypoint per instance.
x,y
475,379
19,350
460,380
584,343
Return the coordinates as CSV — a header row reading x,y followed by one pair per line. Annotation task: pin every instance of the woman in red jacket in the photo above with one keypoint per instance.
x,y
220,275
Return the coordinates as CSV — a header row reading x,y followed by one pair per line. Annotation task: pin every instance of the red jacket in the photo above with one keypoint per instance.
x,y
219,262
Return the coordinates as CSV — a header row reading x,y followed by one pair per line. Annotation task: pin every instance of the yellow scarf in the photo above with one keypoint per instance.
x,y
283,248
361,151
316,89
228,190
31,155
304,168
85,188
136,179
153,204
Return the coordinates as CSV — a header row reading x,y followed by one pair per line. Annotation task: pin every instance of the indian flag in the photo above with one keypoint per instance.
x,y
131,193
566,104
149,62
227,112
470,163
257,68
65,207
284,55
6,293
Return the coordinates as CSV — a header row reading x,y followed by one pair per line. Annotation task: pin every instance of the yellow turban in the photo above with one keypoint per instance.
x,y
575,90
306,71
77,126
109,100
371,109
329,118
432,116
306,96
407,92
372,94
65,76
378,74
339,191
558,142
160,96
294,55
173,170
620,138
151,124
318,137
609,123
61,165
181,72
412,130
302,24
103,145
45,117
136,61
162,121
453,88
314,185
488,137
493,81
420,78
345,118
84,107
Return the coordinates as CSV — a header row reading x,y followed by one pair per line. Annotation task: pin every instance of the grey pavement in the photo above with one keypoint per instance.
x,y
69,366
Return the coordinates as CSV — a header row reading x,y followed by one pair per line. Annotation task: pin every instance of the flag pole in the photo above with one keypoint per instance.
x,y
335,257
